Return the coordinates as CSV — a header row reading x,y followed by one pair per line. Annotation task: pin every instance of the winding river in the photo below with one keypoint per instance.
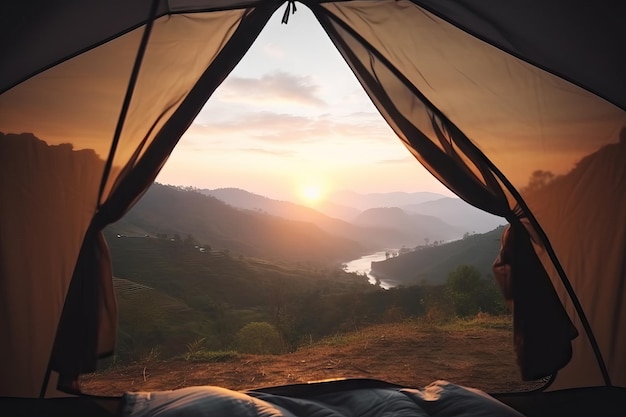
x,y
363,265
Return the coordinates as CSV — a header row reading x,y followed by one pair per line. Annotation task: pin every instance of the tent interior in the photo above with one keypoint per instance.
x,y
487,96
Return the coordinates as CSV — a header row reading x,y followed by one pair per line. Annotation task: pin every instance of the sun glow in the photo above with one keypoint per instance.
x,y
311,194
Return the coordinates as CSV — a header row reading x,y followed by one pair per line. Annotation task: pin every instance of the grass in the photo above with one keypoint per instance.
x,y
475,352
211,356
342,339
364,336
480,321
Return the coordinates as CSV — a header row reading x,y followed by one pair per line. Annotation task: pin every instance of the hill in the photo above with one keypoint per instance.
x,y
182,271
172,211
413,229
244,199
380,225
374,200
433,263
457,212
373,237
170,292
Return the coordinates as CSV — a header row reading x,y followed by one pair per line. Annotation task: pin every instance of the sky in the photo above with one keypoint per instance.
x,y
291,122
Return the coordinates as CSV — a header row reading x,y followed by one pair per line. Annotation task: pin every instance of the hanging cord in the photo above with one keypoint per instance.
x,y
291,7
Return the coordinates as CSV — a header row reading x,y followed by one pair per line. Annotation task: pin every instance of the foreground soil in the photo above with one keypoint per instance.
x,y
406,354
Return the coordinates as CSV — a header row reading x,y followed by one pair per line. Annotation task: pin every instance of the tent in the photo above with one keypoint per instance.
x,y
518,107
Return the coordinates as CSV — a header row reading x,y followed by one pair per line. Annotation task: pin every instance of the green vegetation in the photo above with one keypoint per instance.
x,y
479,321
470,294
212,356
208,306
432,262
260,338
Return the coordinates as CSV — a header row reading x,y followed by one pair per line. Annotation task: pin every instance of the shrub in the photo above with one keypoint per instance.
x,y
259,338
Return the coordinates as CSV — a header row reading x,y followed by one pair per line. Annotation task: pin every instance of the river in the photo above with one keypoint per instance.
x,y
363,265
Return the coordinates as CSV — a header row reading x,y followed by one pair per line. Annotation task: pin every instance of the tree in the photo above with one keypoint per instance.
x,y
469,293
404,250
539,179
463,288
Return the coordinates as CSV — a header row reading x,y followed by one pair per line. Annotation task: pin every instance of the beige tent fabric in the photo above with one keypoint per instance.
x,y
583,214
49,196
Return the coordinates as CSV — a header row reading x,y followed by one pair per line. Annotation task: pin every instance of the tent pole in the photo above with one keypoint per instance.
x,y
128,97
46,380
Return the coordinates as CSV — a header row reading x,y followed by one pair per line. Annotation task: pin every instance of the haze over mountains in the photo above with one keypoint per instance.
x,y
188,213
253,225
419,214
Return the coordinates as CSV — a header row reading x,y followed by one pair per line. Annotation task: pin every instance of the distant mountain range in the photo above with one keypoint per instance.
x,y
253,225
416,228
386,220
187,213
363,202
457,212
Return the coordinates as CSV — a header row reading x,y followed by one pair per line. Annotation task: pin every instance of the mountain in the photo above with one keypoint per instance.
x,y
338,211
374,236
244,199
457,212
414,228
373,200
183,212
432,264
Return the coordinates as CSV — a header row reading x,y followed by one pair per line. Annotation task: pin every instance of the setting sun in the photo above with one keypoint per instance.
x,y
311,194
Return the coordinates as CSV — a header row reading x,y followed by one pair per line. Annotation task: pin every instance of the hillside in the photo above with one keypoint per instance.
x,y
170,292
433,263
244,199
175,211
414,229
373,200
457,212
201,279
373,237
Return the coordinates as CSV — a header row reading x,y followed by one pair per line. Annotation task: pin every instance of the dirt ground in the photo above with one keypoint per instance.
x,y
401,354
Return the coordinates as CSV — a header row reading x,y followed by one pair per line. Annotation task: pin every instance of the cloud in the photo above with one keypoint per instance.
x,y
399,161
284,128
269,152
277,87
272,50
